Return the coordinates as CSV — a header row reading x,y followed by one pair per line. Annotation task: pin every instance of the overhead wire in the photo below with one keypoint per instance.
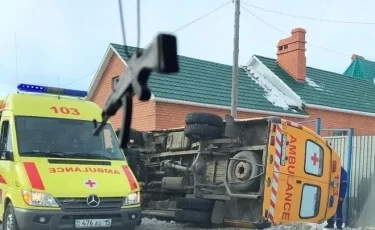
x,y
80,78
201,17
123,29
139,31
285,33
309,18
138,26
209,13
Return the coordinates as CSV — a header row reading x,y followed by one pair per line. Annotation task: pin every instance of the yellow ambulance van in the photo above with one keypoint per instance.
x,y
54,174
253,172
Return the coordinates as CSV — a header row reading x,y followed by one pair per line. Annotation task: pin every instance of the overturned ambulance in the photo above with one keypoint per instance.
x,y
252,172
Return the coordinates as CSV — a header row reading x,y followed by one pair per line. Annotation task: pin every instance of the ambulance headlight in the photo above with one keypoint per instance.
x,y
38,199
132,198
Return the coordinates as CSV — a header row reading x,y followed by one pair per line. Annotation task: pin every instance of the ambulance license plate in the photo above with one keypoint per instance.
x,y
89,223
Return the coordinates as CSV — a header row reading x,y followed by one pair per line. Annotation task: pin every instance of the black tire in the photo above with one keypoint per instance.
x,y
139,221
205,119
202,131
193,216
9,211
252,171
138,169
193,204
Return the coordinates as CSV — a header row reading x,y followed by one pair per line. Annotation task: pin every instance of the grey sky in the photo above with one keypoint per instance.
x,y
67,39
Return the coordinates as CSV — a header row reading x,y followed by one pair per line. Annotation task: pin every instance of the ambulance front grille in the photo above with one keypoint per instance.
x,y
81,203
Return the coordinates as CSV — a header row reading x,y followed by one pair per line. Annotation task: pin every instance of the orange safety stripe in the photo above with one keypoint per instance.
x,y
132,181
34,176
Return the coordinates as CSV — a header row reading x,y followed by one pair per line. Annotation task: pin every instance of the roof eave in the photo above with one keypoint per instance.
x,y
102,67
338,110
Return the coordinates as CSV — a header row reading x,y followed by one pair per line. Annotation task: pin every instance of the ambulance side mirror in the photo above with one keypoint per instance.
x,y
7,155
4,154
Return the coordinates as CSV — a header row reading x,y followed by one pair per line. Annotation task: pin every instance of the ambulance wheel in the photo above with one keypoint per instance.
x,y
202,131
194,204
197,217
10,222
138,169
205,119
244,172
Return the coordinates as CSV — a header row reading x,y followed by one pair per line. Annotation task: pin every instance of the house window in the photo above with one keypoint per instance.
x,y
314,158
340,133
115,80
310,201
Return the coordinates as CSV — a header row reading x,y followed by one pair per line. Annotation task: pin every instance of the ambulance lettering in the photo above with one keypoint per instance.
x,y
292,155
85,169
288,199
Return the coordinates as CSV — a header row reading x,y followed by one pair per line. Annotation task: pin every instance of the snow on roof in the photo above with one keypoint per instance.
x,y
276,91
313,84
272,93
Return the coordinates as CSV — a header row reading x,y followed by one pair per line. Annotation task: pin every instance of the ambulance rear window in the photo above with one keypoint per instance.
x,y
314,158
310,201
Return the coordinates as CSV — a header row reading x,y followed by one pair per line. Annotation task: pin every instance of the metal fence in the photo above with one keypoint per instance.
x,y
362,169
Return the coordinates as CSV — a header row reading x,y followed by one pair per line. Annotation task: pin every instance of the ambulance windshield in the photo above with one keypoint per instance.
x,y
65,138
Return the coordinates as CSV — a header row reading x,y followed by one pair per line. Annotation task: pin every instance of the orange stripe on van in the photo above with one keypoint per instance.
x,y
34,176
2,180
132,181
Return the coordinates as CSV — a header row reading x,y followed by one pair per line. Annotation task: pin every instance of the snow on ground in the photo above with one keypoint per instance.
x,y
273,94
154,224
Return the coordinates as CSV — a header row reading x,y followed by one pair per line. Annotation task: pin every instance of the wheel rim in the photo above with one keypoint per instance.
x,y
242,171
9,224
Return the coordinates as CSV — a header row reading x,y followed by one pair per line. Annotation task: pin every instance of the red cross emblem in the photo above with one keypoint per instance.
x,y
90,183
315,159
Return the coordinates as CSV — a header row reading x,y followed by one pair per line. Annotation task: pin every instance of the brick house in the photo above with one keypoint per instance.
x,y
284,86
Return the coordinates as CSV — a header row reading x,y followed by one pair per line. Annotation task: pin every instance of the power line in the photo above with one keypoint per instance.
x,y
78,79
124,37
310,18
283,32
201,17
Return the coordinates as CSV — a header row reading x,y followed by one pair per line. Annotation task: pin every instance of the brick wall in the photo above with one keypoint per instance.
x,y
156,115
363,125
143,113
173,115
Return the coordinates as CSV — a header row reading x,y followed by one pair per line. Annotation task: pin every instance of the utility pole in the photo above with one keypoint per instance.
x,y
234,103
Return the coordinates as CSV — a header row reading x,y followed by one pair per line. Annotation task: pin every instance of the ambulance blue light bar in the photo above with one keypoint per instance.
x,y
51,90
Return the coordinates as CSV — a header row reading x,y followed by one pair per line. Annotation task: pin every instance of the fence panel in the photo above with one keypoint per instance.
x,y
363,168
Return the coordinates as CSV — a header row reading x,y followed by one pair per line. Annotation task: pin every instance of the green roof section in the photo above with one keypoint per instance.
x,y
329,89
361,68
208,82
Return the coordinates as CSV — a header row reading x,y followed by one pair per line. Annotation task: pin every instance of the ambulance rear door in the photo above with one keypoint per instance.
x,y
304,179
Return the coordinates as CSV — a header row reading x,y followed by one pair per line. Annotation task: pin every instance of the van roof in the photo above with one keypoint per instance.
x,y
42,105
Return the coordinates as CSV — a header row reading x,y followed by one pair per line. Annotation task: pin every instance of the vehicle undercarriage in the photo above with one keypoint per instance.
x,y
210,171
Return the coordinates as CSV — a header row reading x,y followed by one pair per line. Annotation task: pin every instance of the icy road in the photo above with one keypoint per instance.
x,y
153,224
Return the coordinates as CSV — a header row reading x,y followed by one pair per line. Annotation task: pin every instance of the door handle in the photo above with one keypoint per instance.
x,y
299,182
